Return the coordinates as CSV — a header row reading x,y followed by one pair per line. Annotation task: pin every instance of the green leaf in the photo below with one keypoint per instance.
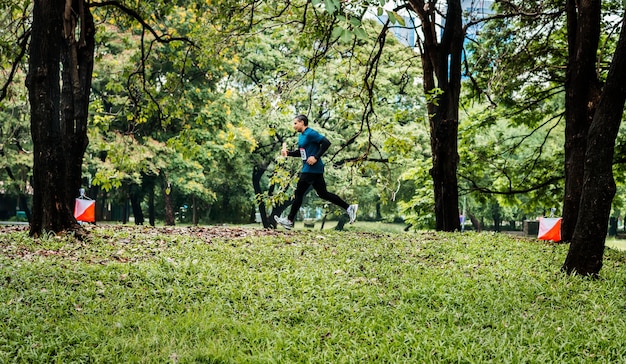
x,y
337,32
346,35
357,22
331,5
360,33
396,18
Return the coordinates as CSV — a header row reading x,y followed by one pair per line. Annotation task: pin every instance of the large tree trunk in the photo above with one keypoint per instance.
x,y
582,93
587,247
59,116
51,210
441,62
445,161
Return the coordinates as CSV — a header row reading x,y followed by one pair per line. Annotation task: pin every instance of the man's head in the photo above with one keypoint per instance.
x,y
300,123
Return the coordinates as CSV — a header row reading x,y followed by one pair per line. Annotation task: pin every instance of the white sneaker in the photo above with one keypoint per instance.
x,y
284,222
352,212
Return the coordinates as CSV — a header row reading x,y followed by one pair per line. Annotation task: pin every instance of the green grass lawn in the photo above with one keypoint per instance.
x,y
242,295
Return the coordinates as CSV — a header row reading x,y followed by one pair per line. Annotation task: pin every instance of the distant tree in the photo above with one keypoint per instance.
x,y
184,100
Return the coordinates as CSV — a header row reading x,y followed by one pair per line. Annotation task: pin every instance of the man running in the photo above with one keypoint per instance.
x,y
311,146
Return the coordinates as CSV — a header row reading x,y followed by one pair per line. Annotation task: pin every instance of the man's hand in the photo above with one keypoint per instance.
x,y
283,151
311,160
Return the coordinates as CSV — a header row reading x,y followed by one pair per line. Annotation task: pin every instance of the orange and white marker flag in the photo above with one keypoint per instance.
x,y
550,228
85,210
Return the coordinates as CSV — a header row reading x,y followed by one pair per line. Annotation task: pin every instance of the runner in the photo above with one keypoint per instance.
x,y
311,146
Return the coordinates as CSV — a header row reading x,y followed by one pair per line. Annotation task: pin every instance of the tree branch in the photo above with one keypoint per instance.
x,y
23,44
476,188
360,159
135,15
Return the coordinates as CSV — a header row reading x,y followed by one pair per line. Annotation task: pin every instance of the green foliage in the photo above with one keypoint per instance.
x,y
511,140
349,25
204,114
332,95
418,207
172,113
232,295
14,17
519,166
15,142
519,61
516,143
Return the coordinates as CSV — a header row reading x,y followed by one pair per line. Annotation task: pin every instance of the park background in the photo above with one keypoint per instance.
x,y
183,116
188,131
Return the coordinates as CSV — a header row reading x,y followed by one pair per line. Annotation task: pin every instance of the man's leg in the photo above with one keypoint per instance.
x,y
319,185
301,189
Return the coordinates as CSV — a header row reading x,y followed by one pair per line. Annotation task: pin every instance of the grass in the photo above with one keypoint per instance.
x,y
238,295
615,243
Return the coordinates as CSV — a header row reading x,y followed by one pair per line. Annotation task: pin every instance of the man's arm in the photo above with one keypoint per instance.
x,y
324,144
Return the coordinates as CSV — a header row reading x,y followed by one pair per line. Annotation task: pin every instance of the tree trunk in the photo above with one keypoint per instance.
x,y
101,205
587,247
170,219
257,174
151,214
194,207
445,162
148,184
125,210
441,63
582,91
475,223
77,58
497,216
51,210
59,113
135,202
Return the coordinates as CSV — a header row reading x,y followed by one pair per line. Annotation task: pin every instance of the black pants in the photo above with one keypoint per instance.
x,y
319,185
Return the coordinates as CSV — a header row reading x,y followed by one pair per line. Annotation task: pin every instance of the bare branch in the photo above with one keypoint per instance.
x,y
511,191
360,159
